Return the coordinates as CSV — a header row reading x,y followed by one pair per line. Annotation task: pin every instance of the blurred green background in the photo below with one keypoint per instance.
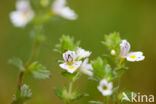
x,y
134,19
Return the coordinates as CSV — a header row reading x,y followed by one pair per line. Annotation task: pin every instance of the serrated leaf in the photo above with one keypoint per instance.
x,y
22,95
72,77
17,62
79,96
119,72
66,43
38,71
95,102
112,41
101,69
58,92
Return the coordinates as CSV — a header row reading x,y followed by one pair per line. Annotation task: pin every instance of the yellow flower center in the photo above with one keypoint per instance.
x,y
133,56
25,15
70,63
105,88
71,67
122,58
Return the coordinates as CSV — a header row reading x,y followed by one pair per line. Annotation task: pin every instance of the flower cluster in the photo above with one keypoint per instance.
x,y
23,14
105,73
73,61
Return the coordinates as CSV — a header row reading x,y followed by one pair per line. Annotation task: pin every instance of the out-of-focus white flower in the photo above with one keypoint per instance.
x,y
23,15
135,56
70,64
86,68
105,87
81,53
23,5
113,53
124,48
59,8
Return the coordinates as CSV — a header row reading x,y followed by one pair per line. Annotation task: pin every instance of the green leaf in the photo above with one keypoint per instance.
x,y
17,62
114,93
68,96
95,102
23,95
112,41
101,69
119,72
66,43
78,96
58,92
38,71
71,77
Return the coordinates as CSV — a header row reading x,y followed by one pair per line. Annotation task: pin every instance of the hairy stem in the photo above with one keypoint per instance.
x,y
20,80
70,88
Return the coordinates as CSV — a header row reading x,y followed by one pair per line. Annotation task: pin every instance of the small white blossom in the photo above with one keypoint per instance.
x,y
124,48
81,53
105,87
23,15
71,68
135,56
130,56
86,68
70,64
59,8
113,53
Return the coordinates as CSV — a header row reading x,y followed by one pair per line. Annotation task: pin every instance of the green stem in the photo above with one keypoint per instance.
x,y
30,61
106,100
34,54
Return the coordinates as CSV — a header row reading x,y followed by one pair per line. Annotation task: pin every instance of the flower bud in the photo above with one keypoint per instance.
x,y
113,52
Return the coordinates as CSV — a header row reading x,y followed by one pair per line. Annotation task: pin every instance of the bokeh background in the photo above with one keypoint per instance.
x,y
134,19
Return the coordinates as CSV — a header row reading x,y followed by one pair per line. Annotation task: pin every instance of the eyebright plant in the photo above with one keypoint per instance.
x,y
74,64
108,70
36,13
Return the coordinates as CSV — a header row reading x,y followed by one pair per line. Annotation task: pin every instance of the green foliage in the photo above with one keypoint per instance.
x,y
22,95
101,69
95,102
71,77
38,71
66,43
58,92
67,96
112,41
17,62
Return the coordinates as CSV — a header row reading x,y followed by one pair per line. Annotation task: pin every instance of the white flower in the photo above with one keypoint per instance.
x,y
130,56
86,68
59,8
23,15
81,53
70,64
71,68
135,56
23,5
105,87
124,48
